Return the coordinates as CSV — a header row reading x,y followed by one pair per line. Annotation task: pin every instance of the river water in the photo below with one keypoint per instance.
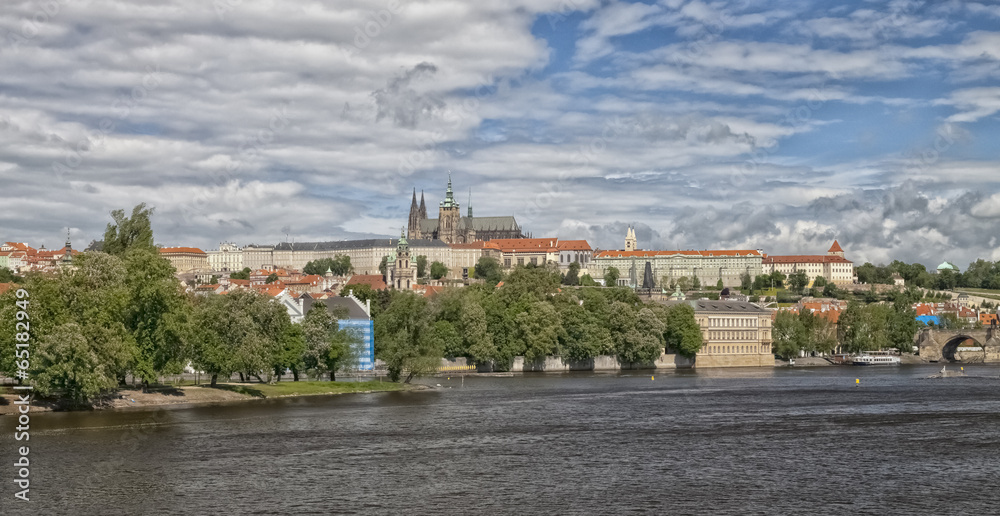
x,y
783,441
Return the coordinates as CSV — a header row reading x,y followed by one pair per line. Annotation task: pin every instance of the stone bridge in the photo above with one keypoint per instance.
x,y
943,345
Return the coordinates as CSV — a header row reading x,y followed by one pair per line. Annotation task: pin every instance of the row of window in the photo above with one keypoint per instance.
x,y
753,348
733,322
732,335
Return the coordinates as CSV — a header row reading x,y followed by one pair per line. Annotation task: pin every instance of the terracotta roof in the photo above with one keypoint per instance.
x,y
805,258
835,248
650,254
194,250
374,281
240,282
270,290
430,290
573,245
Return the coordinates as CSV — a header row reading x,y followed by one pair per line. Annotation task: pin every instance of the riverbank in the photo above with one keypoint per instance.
x,y
204,394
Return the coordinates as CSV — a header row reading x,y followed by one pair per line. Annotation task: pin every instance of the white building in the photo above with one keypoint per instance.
x,y
832,266
228,258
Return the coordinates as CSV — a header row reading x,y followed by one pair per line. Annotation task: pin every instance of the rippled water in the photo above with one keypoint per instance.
x,y
799,441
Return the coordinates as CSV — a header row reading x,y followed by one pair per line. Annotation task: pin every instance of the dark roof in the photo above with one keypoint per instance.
x,y
354,309
344,245
707,305
95,245
506,223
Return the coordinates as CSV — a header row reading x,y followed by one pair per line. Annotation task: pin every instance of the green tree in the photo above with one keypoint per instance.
x,y
777,279
422,266
477,338
328,348
798,281
127,233
539,329
291,355
830,290
584,336
746,282
438,270
572,275
68,365
398,337
241,275
684,283
682,333
719,285
819,282
238,332
695,283
587,281
8,276
271,278
488,268
611,275
339,265
383,265
788,333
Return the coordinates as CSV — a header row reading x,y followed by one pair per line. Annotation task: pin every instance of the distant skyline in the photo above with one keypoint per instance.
x,y
776,125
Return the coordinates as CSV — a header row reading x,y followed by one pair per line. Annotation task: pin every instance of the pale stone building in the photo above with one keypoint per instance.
x,y
833,266
735,333
185,259
228,258
708,266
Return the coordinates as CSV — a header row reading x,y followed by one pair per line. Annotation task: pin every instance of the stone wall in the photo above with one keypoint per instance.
x,y
735,360
610,363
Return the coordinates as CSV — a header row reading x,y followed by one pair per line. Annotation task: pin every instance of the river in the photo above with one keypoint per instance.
x,y
740,441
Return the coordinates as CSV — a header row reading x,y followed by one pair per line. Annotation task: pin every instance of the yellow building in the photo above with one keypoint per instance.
x,y
735,333
833,266
185,259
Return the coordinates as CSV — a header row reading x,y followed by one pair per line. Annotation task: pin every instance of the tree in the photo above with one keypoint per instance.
x,y
127,233
292,353
643,343
539,329
572,275
788,334
399,337
67,364
830,290
819,282
477,340
328,348
695,283
271,278
611,275
438,270
682,332
241,275
383,265
8,276
422,266
777,279
684,283
746,282
339,265
719,285
238,332
488,268
798,281
587,281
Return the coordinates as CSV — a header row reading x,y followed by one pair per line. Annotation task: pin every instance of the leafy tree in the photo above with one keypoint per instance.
x,y
830,290
695,283
719,285
8,276
238,332
572,275
584,336
788,333
127,233
777,279
762,282
438,270
241,275
611,276
819,282
488,268
746,282
682,333
398,337
67,364
684,283
477,339
798,281
539,329
328,348
271,278
291,355
383,265
422,266
587,281
339,265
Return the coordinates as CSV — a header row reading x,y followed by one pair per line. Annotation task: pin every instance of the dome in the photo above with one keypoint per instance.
x,y
946,266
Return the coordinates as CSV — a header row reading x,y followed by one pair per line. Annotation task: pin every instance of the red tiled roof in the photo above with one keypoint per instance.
x,y
573,245
430,290
649,254
835,248
194,250
805,258
374,281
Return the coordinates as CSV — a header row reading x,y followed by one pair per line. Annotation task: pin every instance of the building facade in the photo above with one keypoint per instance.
x,y
708,266
452,228
734,333
185,259
832,266
228,258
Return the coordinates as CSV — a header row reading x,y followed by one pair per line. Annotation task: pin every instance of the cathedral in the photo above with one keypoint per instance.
x,y
452,228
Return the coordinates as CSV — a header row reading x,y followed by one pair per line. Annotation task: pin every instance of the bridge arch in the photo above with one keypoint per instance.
x,y
950,347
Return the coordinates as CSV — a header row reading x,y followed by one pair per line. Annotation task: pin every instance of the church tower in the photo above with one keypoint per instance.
x,y
404,271
630,241
413,228
423,207
448,216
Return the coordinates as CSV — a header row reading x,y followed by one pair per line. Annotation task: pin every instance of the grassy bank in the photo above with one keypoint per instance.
x,y
261,390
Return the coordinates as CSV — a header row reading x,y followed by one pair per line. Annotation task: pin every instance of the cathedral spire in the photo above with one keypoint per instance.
x,y
423,207
449,196
470,202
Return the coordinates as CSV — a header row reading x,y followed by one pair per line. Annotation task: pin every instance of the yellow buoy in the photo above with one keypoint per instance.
x,y
857,381
651,378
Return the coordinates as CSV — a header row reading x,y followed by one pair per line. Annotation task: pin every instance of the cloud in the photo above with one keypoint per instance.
x,y
402,103
974,103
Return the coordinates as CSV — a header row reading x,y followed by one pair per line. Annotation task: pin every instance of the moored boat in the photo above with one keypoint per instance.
x,y
875,358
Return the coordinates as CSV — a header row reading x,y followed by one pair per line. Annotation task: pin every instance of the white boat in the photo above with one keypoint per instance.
x,y
875,358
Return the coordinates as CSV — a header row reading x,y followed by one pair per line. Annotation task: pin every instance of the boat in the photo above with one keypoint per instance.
x,y
875,358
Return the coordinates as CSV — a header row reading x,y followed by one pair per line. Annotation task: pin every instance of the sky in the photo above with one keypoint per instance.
x,y
778,125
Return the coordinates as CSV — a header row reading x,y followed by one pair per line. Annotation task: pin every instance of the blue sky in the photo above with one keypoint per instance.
x,y
706,124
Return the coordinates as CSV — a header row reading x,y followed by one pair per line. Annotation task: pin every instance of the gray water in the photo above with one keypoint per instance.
x,y
785,441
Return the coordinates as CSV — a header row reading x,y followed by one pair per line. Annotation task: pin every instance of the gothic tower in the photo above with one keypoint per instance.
x,y
404,271
423,207
630,240
413,228
448,216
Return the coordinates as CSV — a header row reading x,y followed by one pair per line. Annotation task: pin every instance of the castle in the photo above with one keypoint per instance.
x,y
450,227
